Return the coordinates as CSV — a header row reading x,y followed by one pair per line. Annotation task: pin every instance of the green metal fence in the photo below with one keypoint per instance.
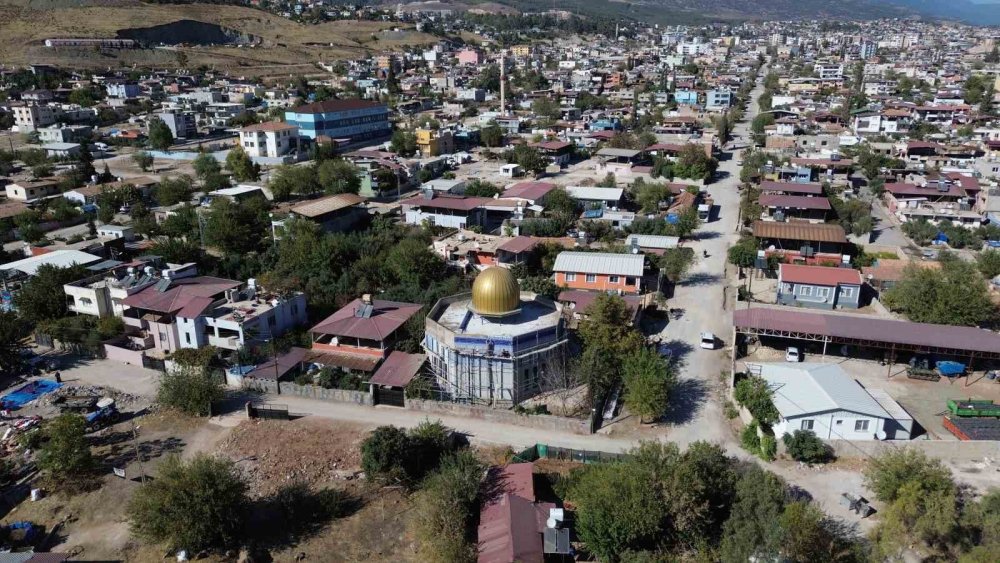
x,y
545,451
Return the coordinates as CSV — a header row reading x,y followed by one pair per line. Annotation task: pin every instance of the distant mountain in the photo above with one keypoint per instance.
x,y
977,13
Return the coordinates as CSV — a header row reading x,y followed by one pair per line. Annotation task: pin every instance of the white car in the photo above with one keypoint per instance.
x,y
708,341
793,355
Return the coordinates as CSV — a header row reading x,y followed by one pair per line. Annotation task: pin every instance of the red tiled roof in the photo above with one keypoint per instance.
x,y
511,524
551,145
819,275
794,201
386,317
179,294
398,369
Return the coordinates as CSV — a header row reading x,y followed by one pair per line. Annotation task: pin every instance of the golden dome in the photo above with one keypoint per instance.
x,y
495,293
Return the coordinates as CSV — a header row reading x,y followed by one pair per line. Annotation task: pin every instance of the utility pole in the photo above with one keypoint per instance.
x,y
138,455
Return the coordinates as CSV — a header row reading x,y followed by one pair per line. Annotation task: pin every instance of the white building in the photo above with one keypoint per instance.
x,y
824,399
273,139
30,117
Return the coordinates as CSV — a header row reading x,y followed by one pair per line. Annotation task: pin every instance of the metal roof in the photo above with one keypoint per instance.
x,y
803,389
600,263
57,258
794,201
624,153
592,193
398,369
328,204
799,231
866,328
653,241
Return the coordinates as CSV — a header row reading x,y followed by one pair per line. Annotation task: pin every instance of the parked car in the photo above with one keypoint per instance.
x,y
792,354
708,341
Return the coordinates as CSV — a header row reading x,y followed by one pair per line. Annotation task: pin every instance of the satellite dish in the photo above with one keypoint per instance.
x,y
881,435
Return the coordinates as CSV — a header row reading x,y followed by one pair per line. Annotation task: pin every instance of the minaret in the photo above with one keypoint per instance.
x,y
503,90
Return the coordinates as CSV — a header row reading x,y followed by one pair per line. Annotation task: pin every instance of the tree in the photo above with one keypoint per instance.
x,y
482,188
289,179
649,195
244,169
542,285
82,97
491,135
403,143
190,390
143,160
171,191
546,108
337,176
13,330
805,445
195,505
921,231
693,162
607,338
648,381
205,166
528,158
42,297
676,262
383,453
65,455
237,228
615,510
954,294
886,474
805,535
753,527
744,252
988,262
160,136
759,125
446,506
754,393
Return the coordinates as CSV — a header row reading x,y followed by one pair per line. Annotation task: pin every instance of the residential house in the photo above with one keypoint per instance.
x,y
514,527
781,207
559,152
593,197
432,142
459,212
32,191
65,133
823,399
182,124
272,139
361,334
600,271
803,243
30,117
335,213
651,244
819,287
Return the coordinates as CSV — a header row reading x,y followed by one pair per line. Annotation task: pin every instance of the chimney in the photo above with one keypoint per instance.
x,y
366,298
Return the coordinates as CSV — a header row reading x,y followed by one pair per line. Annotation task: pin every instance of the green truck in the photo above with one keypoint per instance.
x,y
973,408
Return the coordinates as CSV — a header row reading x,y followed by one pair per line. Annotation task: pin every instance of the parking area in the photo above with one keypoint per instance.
x,y
925,401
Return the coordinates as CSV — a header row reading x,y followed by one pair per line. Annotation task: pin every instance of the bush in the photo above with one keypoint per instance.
x,y
804,445
749,438
447,508
753,393
193,505
768,447
65,454
189,389
392,455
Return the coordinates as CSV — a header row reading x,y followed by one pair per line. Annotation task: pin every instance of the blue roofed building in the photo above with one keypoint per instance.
x,y
353,119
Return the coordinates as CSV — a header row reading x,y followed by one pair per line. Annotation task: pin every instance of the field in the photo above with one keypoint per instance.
x,y
285,46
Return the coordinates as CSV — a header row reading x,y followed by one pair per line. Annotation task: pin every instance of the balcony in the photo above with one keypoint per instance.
x,y
227,342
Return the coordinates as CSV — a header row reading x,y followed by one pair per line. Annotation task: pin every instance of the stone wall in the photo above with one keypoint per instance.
x,y
946,449
317,392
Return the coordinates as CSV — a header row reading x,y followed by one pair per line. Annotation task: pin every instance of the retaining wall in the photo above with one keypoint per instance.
x,y
317,392
540,421
937,448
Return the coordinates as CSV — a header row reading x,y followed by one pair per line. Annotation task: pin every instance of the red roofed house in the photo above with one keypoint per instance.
x,y
819,287
512,525
782,207
458,212
531,192
202,310
559,151
361,334
388,385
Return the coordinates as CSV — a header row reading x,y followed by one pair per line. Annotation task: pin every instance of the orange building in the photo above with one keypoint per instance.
x,y
600,271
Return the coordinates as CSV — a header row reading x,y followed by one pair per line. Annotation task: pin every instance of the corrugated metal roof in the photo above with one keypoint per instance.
x,y
326,205
600,263
799,231
398,369
802,389
925,335
597,194
653,241
794,201
57,258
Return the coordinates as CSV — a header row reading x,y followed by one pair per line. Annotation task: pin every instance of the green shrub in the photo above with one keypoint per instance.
x,y
804,445
749,439
768,447
189,389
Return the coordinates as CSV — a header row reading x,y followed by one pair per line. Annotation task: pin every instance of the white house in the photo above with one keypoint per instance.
x,y
273,139
824,399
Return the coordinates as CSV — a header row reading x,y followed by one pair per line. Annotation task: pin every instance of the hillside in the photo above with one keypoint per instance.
x,y
282,45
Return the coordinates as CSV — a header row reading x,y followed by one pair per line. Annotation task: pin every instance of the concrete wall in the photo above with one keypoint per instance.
x,y
123,355
544,422
947,449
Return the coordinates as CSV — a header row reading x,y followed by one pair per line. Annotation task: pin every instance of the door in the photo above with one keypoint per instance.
x,y
391,396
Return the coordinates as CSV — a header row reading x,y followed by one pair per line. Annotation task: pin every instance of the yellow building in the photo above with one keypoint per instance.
x,y
434,143
521,50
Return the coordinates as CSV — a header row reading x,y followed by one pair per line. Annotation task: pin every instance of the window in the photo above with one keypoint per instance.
x,y
187,337
807,424
613,279
591,278
860,425
571,277
629,281
847,292
823,292
805,290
